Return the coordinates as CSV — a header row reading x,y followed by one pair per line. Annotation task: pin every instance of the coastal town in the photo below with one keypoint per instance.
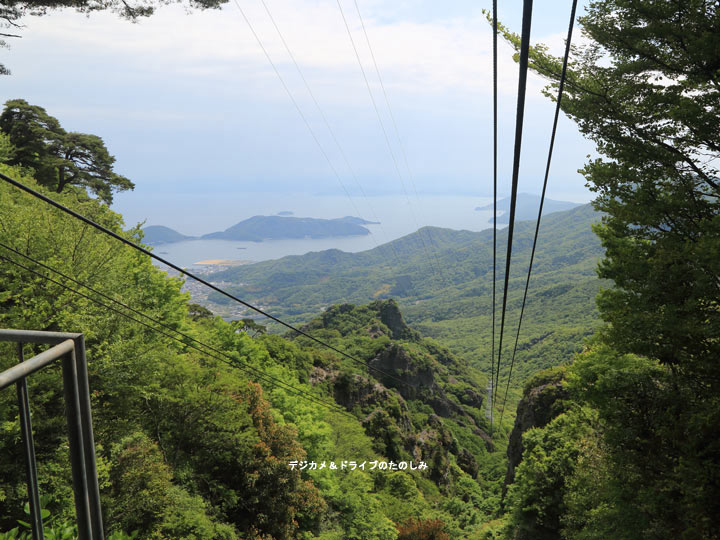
x,y
201,294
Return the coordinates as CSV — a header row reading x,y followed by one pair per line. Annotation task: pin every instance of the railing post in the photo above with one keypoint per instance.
x,y
88,440
77,461
30,464
70,349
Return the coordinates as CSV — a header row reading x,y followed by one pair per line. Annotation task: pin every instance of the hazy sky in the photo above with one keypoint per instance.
x,y
189,104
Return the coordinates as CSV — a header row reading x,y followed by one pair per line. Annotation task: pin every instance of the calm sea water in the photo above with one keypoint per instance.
x,y
398,216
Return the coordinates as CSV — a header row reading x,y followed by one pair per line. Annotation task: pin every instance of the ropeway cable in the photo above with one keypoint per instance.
x,y
437,270
297,105
197,278
522,86
542,197
229,360
433,247
495,168
332,133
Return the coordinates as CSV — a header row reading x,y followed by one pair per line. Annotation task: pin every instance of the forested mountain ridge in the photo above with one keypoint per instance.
x,y
447,292
190,447
622,444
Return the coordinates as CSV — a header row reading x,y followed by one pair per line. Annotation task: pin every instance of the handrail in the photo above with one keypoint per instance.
x,y
22,370
70,348
36,336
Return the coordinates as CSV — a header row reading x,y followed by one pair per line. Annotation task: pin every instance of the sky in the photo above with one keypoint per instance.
x,y
197,117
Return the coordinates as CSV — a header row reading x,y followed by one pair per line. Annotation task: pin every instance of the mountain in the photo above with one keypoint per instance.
x,y
405,384
221,431
159,234
526,207
259,228
442,280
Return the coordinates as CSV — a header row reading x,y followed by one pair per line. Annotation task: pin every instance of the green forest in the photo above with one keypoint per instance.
x,y
449,296
214,429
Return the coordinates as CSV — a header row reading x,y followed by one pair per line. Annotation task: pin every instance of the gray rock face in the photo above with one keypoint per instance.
x,y
467,462
539,405
390,316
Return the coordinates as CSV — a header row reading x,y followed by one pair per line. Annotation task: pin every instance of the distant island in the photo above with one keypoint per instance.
x,y
259,228
285,213
156,235
526,207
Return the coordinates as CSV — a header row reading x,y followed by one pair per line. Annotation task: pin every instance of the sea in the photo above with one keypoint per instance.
x,y
397,216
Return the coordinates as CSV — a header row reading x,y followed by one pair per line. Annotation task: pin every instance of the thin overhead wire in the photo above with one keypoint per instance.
x,y
325,121
542,196
297,105
394,123
522,86
229,360
387,101
495,169
330,130
184,272
438,270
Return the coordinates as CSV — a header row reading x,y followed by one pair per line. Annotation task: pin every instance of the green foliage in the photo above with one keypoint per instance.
x,y
145,497
359,511
143,480
53,528
250,327
645,90
560,312
659,448
156,482
537,498
57,157
619,464
197,312
7,149
189,447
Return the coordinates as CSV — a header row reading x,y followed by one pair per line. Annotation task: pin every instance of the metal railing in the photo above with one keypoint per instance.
x,y
70,348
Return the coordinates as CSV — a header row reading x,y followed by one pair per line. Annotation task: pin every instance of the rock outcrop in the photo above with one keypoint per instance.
x,y
543,399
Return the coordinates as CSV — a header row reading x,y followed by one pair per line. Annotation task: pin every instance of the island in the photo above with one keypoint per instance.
x,y
155,235
259,228
526,207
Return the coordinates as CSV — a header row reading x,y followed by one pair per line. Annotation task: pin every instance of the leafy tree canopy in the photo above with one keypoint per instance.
x,y
58,158
647,91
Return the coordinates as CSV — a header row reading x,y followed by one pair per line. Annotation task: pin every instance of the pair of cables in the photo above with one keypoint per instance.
x,y
522,85
158,326
175,267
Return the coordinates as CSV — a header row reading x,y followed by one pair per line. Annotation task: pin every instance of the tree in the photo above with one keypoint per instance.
x,y
59,158
197,312
653,112
250,327
7,150
422,529
646,90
